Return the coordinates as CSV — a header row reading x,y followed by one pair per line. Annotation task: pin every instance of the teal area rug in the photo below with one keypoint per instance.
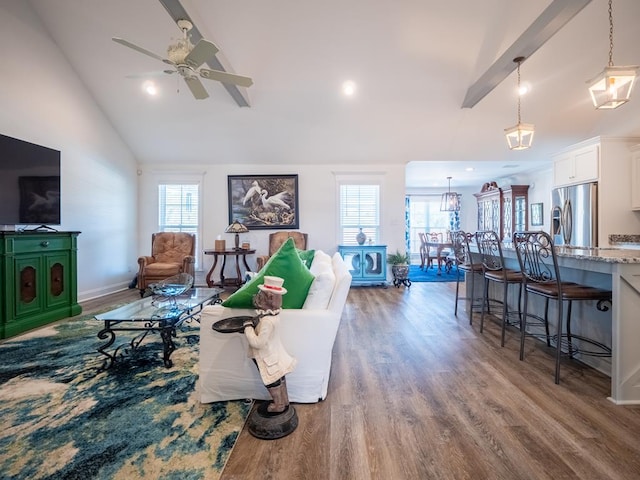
x,y
63,419
430,274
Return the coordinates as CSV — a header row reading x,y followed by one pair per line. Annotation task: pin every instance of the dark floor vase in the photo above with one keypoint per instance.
x,y
400,275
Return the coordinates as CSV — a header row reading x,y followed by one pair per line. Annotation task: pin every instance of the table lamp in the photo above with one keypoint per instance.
x,y
237,228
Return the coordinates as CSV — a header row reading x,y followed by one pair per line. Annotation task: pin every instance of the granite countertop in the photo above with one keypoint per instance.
x,y
604,254
597,254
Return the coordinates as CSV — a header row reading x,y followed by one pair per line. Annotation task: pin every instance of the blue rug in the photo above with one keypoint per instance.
x,y
430,274
62,419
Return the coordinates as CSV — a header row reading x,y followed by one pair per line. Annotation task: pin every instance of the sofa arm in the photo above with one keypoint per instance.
x,y
261,260
189,265
144,261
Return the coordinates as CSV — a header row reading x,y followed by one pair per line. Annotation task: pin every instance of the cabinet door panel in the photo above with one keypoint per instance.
x,y
28,274
57,281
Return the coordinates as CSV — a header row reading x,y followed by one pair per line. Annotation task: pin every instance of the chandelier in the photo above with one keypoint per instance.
x,y
612,87
450,201
520,136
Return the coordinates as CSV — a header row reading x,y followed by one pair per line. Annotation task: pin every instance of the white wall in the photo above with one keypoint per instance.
x,y
43,102
317,203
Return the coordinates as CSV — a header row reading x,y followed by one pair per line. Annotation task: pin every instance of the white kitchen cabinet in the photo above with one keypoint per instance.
x,y
574,166
635,177
609,161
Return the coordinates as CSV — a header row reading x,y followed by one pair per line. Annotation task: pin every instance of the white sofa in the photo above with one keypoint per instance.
x,y
308,334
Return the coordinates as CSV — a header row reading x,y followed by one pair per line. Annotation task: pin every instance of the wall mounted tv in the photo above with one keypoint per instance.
x,y
29,183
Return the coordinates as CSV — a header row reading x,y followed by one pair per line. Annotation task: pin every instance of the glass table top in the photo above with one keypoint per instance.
x,y
161,307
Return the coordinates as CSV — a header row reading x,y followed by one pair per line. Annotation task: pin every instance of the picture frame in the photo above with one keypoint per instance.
x,y
264,201
537,218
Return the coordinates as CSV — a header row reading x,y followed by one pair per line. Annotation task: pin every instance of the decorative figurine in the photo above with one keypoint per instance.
x,y
276,418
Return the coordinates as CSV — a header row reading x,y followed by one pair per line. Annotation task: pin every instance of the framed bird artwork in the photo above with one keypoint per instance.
x,y
264,201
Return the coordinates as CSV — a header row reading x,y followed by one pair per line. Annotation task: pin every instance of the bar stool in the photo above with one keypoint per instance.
x,y
464,264
541,276
493,270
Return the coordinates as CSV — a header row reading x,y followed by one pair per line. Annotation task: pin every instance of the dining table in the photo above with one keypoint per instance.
x,y
442,251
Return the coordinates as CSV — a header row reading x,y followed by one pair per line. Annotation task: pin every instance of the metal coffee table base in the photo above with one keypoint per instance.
x,y
145,316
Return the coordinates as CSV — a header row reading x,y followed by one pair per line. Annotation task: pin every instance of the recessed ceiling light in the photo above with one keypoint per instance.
x,y
150,88
469,169
349,88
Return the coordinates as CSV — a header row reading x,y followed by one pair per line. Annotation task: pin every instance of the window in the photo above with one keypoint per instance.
x,y
425,216
359,208
179,210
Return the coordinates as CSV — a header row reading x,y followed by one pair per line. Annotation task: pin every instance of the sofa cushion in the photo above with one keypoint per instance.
x,y
323,283
285,263
306,256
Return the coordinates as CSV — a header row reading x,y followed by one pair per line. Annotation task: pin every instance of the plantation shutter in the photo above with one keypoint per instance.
x,y
359,208
178,208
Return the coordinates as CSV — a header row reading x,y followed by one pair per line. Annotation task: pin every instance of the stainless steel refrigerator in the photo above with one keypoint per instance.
x,y
574,215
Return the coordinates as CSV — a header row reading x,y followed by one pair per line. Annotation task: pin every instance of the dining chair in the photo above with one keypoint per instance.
x,y
493,270
541,276
424,251
440,253
465,265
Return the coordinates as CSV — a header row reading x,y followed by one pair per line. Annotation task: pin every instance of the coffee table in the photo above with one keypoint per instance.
x,y
156,314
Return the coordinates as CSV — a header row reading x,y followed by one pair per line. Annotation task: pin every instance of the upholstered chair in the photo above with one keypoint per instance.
x,y
277,239
171,253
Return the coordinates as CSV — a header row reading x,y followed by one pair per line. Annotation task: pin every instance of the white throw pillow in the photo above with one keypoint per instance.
x,y
320,259
322,285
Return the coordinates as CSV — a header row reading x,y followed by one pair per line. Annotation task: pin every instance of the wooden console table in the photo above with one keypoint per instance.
x,y
238,281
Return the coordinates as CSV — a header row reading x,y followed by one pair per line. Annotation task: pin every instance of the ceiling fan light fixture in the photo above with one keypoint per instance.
x,y
178,51
612,87
520,136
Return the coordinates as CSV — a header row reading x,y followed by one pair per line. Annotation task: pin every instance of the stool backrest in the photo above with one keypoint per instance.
x,y
490,250
537,257
460,241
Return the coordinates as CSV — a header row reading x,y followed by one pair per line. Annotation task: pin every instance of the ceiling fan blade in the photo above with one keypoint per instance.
x,y
159,73
196,87
126,43
225,77
202,52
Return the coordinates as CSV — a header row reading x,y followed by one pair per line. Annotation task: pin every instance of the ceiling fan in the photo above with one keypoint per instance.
x,y
186,60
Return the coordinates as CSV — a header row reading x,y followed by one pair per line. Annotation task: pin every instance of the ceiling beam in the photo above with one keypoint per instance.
x,y
218,62
550,21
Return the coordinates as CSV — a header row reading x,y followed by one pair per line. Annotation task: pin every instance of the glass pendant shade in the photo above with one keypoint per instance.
x,y
519,136
450,201
612,87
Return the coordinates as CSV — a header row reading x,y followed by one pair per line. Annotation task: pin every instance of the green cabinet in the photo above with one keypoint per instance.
x,y
367,263
38,279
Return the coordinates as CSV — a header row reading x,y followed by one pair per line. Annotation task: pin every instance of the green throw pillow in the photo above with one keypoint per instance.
x,y
306,256
285,263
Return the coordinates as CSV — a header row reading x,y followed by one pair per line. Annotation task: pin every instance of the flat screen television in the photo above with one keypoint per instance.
x,y
29,183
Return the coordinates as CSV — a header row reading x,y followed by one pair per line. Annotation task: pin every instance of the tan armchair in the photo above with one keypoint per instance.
x,y
171,253
275,242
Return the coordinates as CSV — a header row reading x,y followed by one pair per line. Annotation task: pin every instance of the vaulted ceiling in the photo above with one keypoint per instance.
x,y
412,60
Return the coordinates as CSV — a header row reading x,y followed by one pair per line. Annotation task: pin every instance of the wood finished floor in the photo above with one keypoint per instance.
x,y
416,393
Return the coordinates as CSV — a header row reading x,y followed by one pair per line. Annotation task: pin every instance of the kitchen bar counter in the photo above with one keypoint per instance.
x,y
617,269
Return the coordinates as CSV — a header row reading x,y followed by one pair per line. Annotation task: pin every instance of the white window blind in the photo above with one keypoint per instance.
x,y
359,208
178,208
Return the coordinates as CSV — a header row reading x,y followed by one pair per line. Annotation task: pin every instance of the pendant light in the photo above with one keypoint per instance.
x,y
450,201
519,136
612,87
